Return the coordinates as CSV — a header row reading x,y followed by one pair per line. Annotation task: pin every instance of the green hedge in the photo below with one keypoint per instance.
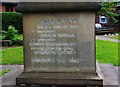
x,y
12,18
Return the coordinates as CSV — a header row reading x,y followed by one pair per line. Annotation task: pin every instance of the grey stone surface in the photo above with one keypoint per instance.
x,y
49,78
61,0
59,42
57,6
10,78
109,72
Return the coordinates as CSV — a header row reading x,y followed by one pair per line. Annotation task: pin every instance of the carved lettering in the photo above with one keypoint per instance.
x,y
51,42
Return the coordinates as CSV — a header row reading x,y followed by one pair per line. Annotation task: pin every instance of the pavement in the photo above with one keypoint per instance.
x,y
109,74
10,77
102,37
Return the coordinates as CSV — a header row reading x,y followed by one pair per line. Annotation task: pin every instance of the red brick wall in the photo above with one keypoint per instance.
x,y
0,8
14,8
96,19
3,8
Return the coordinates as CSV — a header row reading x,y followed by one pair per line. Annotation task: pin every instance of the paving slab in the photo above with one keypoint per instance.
x,y
110,74
10,78
102,37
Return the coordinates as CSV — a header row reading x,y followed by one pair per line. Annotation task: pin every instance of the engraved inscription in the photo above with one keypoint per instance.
x,y
53,40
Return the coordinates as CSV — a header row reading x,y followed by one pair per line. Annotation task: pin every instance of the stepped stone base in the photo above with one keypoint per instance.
x,y
110,77
80,79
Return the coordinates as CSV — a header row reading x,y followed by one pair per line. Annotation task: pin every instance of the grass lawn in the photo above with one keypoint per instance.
x,y
3,72
106,52
116,37
13,55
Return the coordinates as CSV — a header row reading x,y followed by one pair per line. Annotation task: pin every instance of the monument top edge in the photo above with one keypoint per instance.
x,y
60,0
32,7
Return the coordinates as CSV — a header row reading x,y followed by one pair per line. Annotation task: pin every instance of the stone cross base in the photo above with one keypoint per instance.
x,y
68,79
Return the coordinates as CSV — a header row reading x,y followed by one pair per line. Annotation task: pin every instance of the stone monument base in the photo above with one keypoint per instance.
x,y
68,79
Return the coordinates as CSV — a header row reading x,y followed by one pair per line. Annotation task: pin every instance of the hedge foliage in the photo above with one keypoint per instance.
x,y
12,18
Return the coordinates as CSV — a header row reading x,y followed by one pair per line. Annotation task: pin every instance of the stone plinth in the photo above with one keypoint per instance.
x,y
59,43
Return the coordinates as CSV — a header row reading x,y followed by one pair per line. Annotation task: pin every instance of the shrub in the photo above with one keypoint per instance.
x,y
12,18
10,38
11,33
18,42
